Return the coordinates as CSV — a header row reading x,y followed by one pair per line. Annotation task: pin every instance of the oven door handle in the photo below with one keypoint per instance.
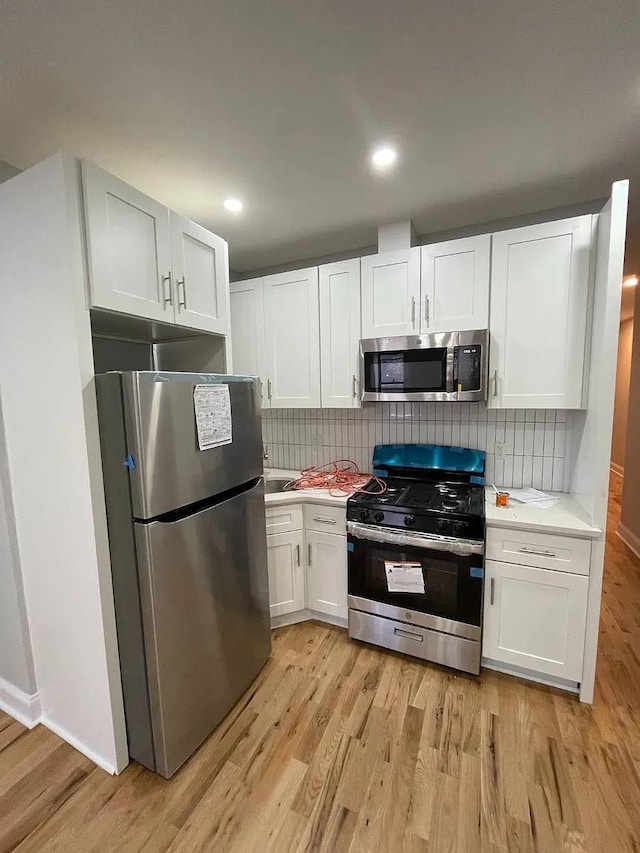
x,y
426,541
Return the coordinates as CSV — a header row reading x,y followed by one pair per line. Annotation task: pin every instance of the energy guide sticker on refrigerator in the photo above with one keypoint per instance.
x,y
212,404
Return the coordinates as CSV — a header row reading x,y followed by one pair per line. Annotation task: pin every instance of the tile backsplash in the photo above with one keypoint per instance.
x,y
535,441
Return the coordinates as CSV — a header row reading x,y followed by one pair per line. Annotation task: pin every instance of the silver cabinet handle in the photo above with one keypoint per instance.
x,y
168,300
413,311
298,556
495,383
492,595
325,520
182,303
354,392
268,389
408,635
309,554
537,553
426,310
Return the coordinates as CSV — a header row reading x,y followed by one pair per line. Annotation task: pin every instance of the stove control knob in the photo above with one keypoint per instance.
x,y
409,521
364,515
441,524
379,516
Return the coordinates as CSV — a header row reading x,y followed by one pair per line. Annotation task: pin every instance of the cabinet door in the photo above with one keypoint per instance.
x,y
247,331
391,293
128,248
535,618
340,334
286,572
292,326
327,573
455,285
200,268
538,321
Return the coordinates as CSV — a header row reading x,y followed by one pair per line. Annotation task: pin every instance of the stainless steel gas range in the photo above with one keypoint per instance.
x,y
416,554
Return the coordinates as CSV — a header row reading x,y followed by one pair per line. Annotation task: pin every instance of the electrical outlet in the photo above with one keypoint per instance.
x,y
499,449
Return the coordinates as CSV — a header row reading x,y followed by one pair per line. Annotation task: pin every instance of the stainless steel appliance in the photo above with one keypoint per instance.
x,y
447,366
188,551
416,554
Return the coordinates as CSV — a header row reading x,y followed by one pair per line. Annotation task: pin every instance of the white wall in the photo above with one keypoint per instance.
x,y
17,678
50,422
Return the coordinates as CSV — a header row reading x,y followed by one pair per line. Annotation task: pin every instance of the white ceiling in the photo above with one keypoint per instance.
x,y
498,108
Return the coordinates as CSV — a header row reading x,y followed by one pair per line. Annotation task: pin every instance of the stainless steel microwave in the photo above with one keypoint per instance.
x,y
449,366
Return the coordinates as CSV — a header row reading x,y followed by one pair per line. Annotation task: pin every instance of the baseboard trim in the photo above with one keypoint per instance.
x,y
23,707
81,747
616,469
630,539
539,678
306,616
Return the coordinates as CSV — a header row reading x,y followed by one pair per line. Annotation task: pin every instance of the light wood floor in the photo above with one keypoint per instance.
x,y
341,747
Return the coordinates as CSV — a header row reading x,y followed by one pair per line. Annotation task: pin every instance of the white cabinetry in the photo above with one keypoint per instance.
x,y
538,320
391,293
455,285
286,572
292,329
129,248
535,619
150,262
247,331
327,573
200,269
340,334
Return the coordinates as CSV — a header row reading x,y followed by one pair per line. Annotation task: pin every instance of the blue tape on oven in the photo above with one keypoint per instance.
x,y
476,572
380,472
351,546
478,481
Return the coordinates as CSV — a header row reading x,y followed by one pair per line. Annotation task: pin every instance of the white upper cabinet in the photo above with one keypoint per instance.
x,y
150,262
340,334
247,330
538,321
455,285
391,293
535,619
201,276
292,332
128,248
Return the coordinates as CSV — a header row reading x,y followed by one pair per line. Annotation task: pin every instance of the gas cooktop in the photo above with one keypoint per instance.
x,y
430,489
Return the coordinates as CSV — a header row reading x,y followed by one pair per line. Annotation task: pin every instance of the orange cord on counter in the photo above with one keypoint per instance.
x,y
342,477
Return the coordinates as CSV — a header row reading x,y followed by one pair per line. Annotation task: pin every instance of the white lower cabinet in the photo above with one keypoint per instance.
x,y
535,619
286,572
327,573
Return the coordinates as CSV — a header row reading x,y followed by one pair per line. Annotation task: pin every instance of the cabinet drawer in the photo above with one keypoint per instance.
x,y
281,519
541,550
325,519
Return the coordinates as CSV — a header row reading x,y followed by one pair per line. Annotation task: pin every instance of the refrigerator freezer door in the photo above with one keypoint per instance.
x,y
170,470
205,610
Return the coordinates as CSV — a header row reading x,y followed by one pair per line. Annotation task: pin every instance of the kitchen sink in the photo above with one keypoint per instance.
x,y
271,487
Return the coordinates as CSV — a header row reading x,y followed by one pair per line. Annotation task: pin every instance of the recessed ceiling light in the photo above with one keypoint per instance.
x,y
383,157
233,205
630,281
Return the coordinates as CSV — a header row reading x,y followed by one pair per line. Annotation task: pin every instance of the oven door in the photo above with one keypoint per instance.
x,y
432,581
407,368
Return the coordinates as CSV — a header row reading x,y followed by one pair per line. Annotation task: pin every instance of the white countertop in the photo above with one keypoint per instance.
x,y
298,496
566,517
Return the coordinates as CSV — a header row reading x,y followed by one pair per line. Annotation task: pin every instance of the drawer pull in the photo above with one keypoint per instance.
x,y
408,635
324,520
537,553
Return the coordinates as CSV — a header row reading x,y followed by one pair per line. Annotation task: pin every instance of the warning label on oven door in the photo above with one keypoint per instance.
x,y
404,577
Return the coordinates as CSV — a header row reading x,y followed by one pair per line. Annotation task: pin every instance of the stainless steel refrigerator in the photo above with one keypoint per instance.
x,y
182,463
